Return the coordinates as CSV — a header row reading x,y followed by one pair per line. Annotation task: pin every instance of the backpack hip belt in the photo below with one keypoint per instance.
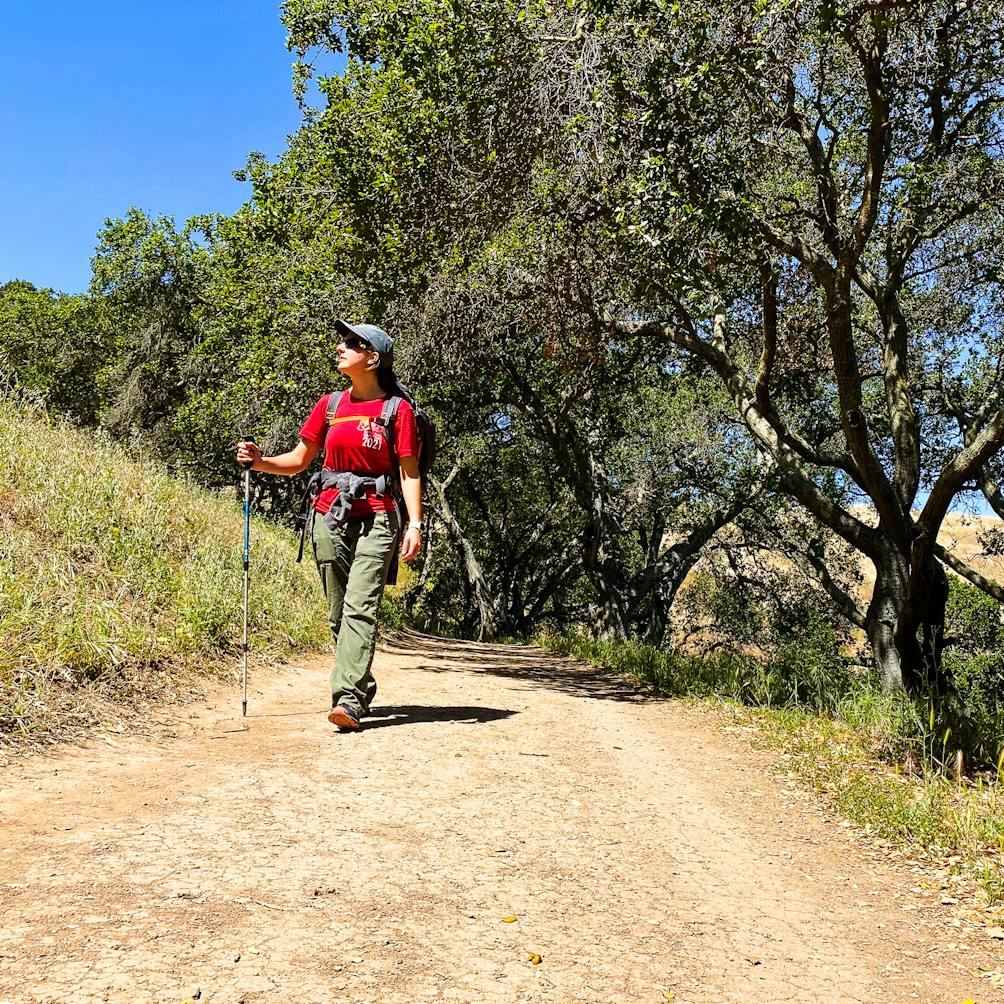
x,y
350,487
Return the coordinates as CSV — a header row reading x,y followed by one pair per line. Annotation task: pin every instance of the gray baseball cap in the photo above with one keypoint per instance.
x,y
376,337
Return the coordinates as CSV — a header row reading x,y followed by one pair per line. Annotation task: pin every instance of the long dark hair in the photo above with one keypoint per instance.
x,y
387,379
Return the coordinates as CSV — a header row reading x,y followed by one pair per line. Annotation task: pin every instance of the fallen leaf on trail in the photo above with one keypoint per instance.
x,y
509,920
670,996
534,958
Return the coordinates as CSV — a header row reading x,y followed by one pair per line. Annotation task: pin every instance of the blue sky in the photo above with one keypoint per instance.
x,y
108,105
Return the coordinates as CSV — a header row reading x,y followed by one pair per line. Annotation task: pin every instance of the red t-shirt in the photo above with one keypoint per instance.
x,y
360,446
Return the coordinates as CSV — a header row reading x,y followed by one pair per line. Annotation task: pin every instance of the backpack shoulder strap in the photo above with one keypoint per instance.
x,y
387,415
334,400
389,411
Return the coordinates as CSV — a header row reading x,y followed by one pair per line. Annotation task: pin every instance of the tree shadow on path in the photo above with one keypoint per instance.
x,y
524,663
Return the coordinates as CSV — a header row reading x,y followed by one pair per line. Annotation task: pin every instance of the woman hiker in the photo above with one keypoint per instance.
x,y
355,527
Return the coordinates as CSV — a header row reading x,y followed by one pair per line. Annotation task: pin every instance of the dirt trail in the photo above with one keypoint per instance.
x,y
642,854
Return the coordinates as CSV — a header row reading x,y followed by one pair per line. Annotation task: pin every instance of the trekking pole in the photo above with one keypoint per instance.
x,y
247,549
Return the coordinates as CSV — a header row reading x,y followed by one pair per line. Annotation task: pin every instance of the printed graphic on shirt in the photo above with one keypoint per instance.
x,y
372,434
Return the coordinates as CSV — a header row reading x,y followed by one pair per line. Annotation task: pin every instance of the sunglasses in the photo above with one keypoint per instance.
x,y
352,342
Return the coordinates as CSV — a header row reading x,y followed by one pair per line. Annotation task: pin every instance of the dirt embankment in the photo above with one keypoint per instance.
x,y
502,805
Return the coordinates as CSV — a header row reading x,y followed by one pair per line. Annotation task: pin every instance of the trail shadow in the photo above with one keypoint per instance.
x,y
408,714
518,662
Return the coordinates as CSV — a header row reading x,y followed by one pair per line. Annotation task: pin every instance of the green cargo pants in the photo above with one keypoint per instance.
x,y
353,561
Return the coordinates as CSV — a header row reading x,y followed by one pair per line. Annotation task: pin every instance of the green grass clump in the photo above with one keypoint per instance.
x,y
114,577
801,676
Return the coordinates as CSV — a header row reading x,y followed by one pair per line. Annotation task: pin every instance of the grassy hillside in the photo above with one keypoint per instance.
x,y
116,580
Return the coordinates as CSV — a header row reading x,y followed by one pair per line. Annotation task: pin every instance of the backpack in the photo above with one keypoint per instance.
x,y
426,455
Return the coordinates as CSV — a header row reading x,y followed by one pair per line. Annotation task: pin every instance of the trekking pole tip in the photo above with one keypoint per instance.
x,y
244,709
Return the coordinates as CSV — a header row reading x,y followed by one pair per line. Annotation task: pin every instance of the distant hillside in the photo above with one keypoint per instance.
x,y
116,581
971,538
963,535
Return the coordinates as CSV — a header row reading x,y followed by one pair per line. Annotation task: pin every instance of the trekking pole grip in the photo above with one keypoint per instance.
x,y
247,463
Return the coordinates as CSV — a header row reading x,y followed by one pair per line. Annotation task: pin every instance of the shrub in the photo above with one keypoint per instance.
x,y
972,619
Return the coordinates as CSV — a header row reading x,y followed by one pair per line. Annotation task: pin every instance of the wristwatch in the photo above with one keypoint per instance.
x,y
420,526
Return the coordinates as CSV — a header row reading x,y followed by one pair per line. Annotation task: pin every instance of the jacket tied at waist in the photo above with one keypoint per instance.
x,y
350,487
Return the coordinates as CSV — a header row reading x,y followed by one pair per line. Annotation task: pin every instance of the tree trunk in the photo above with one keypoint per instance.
x,y
612,621
602,573
658,616
920,632
665,570
891,578
476,582
664,596
907,629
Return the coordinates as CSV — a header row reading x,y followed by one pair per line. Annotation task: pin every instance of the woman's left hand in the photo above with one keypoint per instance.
x,y
411,546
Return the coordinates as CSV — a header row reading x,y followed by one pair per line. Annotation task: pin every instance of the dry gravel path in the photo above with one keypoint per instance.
x,y
643,853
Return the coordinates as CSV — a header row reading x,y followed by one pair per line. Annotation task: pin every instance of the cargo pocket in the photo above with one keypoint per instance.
x,y
321,541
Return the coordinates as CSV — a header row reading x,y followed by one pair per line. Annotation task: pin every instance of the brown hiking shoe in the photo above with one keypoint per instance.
x,y
344,717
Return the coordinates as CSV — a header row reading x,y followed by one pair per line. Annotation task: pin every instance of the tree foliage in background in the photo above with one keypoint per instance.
x,y
804,199
658,269
54,348
823,191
